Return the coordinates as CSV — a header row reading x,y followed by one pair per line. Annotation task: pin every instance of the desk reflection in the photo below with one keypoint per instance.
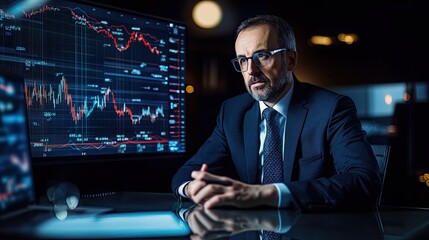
x,y
249,224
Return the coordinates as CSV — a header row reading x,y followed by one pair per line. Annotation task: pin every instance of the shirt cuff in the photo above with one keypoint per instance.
x,y
285,198
181,190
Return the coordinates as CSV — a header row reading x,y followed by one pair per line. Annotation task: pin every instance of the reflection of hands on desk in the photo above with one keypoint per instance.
x,y
249,223
217,223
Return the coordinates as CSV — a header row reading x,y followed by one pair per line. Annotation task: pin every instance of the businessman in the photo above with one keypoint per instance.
x,y
316,157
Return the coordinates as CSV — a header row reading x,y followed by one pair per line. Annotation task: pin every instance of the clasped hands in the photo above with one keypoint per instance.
x,y
210,191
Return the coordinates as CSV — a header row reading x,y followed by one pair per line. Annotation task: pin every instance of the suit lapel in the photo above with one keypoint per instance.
x,y
251,142
297,113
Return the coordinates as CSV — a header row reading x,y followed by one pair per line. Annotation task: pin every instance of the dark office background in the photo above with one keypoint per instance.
x,y
391,49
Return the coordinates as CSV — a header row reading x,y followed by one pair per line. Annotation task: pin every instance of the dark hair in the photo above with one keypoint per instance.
x,y
284,30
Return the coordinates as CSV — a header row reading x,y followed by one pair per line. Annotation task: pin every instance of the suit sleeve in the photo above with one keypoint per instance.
x,y
214,152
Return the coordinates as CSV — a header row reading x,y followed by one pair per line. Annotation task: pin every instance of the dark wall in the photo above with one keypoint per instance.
x,y
408,158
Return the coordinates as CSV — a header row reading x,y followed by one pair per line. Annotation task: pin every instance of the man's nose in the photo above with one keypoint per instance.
x,y
252,67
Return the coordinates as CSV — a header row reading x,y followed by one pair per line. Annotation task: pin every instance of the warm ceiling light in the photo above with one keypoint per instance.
x,y
321,40
348,38
207,14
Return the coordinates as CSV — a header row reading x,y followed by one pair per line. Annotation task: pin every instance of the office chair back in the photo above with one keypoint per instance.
x,y
382,153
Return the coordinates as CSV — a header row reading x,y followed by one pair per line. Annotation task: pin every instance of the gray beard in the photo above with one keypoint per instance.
x,y
268,92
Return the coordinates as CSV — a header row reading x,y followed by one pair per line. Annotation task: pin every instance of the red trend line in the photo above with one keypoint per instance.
x,y
99,146
133,36
118,112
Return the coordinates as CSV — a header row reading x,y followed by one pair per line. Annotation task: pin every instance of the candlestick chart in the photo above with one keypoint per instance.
x,y
98,81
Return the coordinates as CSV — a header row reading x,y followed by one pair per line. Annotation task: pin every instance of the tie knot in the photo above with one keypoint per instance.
x,y
269,113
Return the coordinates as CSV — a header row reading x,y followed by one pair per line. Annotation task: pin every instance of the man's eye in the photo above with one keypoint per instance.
x,y
263,56
242,60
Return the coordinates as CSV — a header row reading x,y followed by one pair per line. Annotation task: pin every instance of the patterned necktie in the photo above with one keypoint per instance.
x,y
268,235
273,162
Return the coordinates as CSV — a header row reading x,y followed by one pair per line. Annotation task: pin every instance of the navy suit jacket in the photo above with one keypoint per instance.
x,y
328,162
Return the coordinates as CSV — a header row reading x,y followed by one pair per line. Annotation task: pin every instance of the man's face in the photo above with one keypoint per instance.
x,y
266,83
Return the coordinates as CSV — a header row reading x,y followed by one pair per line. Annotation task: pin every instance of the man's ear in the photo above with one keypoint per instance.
x,y
291,59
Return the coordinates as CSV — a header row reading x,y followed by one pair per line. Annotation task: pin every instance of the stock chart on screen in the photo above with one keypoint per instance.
x,y
98,80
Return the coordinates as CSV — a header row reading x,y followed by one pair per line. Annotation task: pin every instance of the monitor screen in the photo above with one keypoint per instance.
x,y
100,82
16,179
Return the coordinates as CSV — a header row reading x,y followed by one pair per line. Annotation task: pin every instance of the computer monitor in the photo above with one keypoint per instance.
x,y
16,179
101,83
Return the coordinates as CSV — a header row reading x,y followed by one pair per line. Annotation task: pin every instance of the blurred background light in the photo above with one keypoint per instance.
x,y
207,14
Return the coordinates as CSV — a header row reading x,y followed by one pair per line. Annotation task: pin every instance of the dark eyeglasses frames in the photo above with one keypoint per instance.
x,y
260,59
